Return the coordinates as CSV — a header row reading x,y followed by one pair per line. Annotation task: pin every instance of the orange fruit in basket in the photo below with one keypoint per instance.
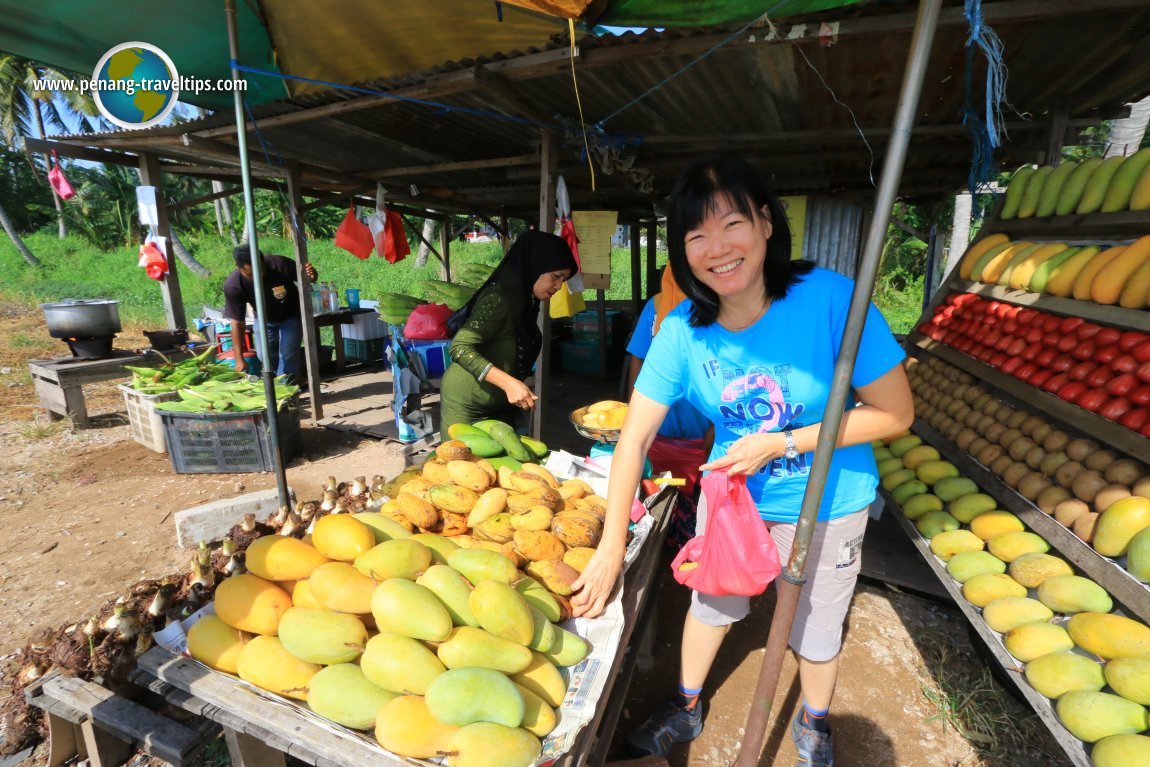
x,y
613,418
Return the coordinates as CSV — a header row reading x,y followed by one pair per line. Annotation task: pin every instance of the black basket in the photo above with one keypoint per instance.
x,y
228,443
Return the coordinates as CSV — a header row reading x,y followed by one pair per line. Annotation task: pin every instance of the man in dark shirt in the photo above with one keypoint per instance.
x,y
281,305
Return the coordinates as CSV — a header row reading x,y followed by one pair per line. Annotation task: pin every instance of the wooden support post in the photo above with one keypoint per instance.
x,y
547,167
310,331
246,751
104,748
601,298
170,286
1058,122
636,271
652,280
445,246
64,740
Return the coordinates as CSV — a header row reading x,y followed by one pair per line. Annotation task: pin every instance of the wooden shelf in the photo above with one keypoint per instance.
x,y
1074,748
1120,225
1082,421
1133,319
1131,594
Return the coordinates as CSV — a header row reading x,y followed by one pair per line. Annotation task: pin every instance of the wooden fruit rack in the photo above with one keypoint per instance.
x,y
1130,596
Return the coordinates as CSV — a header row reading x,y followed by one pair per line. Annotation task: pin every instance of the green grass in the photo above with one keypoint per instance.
x,y
22,341
74,269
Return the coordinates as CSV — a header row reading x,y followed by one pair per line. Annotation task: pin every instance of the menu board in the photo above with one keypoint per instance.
x,y
594,228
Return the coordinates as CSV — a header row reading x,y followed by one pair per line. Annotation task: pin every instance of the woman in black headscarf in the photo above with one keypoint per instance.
x,y
498,343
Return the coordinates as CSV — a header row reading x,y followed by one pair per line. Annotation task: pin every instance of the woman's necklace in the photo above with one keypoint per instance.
x,y
752,321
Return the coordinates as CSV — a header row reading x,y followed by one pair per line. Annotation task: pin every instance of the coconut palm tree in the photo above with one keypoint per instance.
x,y
24,104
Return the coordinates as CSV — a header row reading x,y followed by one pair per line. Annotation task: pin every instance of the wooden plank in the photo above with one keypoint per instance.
x,y
1106,226
1131,594
125,720
1074,748
246,751
1134,319
62,740
150,175
310,740
1082,421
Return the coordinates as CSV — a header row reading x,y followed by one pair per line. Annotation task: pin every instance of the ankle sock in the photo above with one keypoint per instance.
x,y
815,719
687,698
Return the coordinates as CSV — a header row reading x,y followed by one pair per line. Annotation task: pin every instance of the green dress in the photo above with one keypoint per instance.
x,y
486,340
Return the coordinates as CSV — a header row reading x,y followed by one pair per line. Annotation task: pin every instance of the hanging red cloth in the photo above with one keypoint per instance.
x,y
354,236
57,179
392,245
153,261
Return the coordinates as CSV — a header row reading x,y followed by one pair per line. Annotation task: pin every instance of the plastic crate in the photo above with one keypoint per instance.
x,y
365,350
585,326
147,426
228,443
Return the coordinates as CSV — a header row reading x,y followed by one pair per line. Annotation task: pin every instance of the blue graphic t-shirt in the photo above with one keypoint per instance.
x,y
683,421
773,374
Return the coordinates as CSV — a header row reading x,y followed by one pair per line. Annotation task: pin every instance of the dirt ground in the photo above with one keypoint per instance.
x,y
85,514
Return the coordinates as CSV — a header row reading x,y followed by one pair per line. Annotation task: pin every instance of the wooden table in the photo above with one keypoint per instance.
x,y
335,320
60,381
261,732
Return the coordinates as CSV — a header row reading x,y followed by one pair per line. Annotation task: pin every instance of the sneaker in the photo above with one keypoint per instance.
x,y
670,724
814,747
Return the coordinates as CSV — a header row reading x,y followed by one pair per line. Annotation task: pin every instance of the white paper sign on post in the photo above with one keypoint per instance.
x,y
146,202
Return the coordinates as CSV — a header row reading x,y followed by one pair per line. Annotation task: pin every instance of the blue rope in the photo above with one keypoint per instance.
x,y
988,134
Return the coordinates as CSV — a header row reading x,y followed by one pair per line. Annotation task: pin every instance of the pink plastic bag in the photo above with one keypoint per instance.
x,y
58,181
428,322
736,555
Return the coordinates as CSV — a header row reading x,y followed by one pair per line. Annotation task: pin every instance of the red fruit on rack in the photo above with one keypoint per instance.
x,y
1107,354
1080,371
1068,342
1050,340
999,359
1122,385
1011,365
1124,363
1070,324
1055,383
1140,396
1130,339
1046,357
1099,377
1041,377
1072,390
1004,342
1028,316
1062,363
1033,334
963,344
992,337
1031,352
1115,409
1010,326
1087,330
1050,323
1143,372
1141,352
1084,350
1092,399
1107,336
1026,372
963,299
1135,419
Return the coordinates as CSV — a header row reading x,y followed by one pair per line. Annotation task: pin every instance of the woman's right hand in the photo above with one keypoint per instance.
x,y
597,582
519,394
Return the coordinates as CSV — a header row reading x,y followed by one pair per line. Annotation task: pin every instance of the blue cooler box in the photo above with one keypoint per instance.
x,y
434,355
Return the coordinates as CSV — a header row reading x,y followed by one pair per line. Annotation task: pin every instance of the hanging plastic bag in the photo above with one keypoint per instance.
x,y
58,181
428,322
153,260
736,555
354,236
395,247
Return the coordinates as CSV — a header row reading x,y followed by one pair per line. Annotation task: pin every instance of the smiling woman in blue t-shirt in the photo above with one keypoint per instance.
x,y
754,348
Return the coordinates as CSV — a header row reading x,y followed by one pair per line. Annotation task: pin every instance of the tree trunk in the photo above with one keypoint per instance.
x,y
218,186
959,231
186,257
226,206
62,226
12,235
428,232
1126,134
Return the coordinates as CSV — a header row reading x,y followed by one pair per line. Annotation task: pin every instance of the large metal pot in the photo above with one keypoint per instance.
x,y
82,318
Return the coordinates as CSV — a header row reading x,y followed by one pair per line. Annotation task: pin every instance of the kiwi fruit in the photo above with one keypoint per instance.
x,y
989,454
959,392
1049,498
965,437
1001,463
984,423
1041,432
1032,485
1087,484
1016,419
1085,524
1100,460
977,446
1014,473
1142,488
1067,472
972,418
995,432
1019,448
1030,424
1069,510
1009,437
991,408
1034,456
980,402
1055,441
1003,413
1080,449
1109,495
1052,462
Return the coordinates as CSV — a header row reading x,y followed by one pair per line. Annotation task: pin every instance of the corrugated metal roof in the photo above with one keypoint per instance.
x,y
790,106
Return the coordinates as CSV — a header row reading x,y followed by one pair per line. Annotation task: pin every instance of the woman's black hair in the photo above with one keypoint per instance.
x,y
694,196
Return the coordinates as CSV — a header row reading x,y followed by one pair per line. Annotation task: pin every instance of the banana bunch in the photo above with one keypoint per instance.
x,y
440,292
239,395
472,273
170,377
395,308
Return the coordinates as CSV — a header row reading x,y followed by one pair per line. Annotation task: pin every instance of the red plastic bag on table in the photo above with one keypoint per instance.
x,y
354,236
681,457
736,554
428,322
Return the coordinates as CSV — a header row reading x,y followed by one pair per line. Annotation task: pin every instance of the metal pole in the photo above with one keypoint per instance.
x,y
794,575
257,267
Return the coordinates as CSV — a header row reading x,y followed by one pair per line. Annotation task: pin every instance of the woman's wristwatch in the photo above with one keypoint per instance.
x,y
791,452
